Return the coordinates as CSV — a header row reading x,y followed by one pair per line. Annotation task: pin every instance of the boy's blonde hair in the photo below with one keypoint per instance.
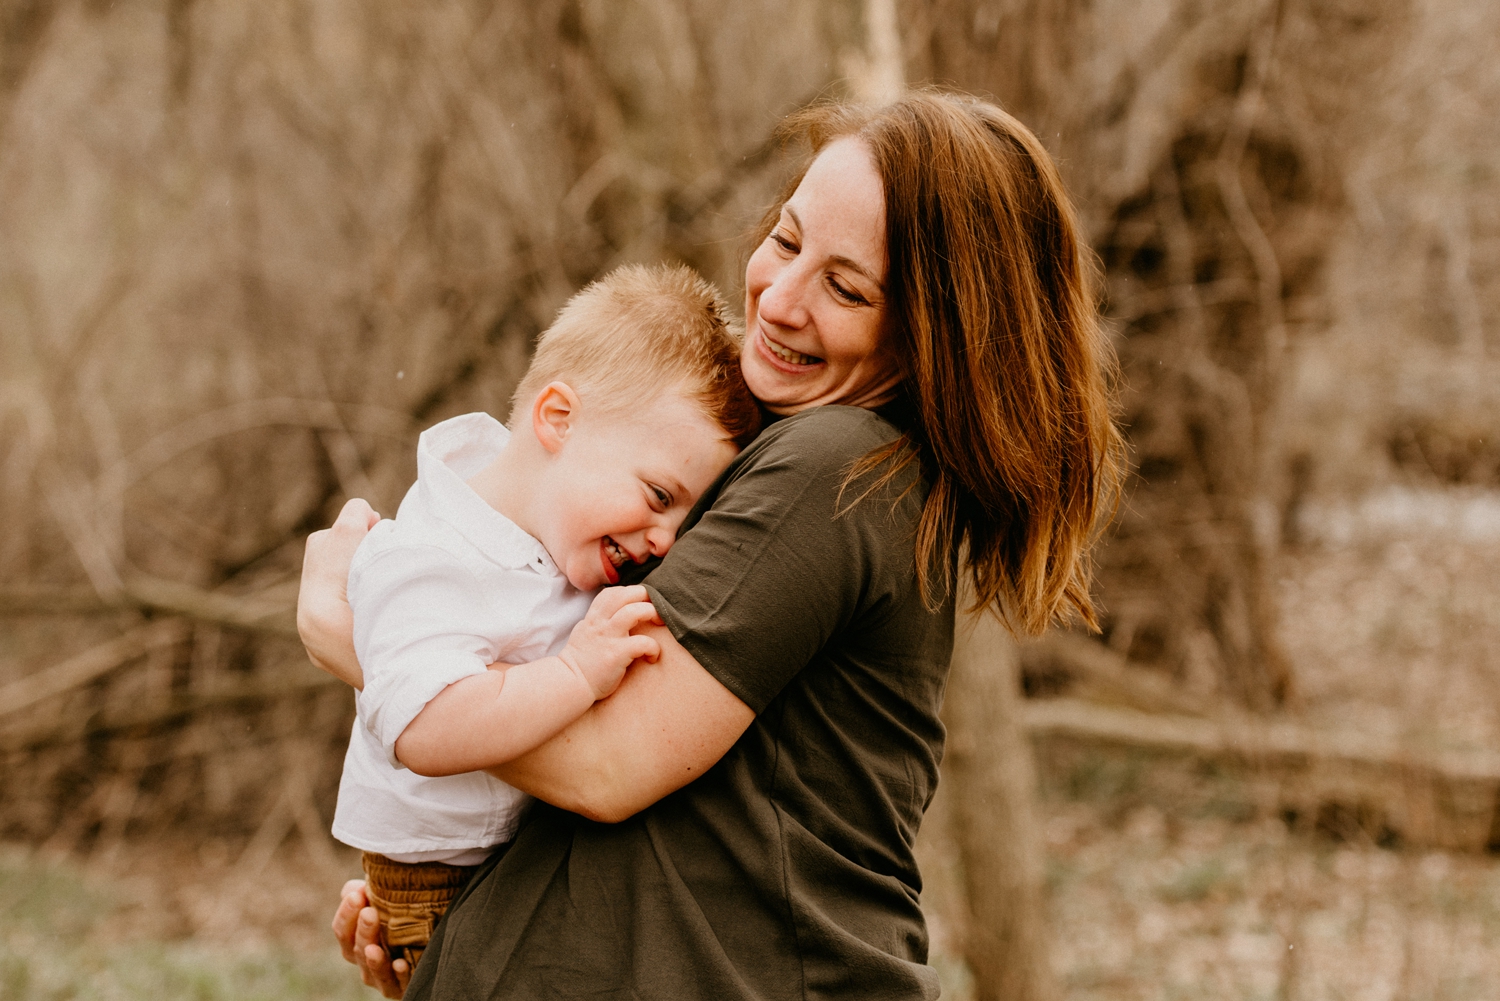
x,y
637,331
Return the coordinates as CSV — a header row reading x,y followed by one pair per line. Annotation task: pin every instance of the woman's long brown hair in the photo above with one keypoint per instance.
x,y
991,305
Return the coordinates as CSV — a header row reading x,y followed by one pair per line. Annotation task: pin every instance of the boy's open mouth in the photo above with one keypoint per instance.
x,y
786,354
613,556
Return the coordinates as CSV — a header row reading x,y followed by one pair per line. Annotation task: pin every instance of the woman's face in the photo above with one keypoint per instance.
x,y
815,295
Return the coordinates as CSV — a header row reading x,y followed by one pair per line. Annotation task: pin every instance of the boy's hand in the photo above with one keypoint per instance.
x,y
602,646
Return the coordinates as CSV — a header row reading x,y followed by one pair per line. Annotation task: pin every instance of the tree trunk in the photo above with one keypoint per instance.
x,y
990,783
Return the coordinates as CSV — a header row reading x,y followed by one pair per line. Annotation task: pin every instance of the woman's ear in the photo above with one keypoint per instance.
x,y
553,414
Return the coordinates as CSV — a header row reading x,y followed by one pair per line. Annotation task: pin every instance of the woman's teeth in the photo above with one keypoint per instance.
x,y
617,556
787,354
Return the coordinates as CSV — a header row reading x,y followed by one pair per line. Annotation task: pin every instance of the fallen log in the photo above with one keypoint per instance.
x,y
1434,797
1250,738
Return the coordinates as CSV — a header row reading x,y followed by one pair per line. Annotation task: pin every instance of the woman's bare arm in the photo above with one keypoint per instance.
x,y
667,723
488,718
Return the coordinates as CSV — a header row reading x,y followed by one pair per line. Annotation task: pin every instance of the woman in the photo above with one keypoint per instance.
x,y
737,820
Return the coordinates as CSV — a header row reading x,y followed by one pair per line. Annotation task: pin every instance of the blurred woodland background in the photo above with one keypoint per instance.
x,y
248,251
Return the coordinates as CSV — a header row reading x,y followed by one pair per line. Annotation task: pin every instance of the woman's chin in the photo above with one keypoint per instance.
x,y
779,392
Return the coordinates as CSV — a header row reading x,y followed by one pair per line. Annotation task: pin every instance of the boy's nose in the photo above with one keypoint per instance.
x,y
660,539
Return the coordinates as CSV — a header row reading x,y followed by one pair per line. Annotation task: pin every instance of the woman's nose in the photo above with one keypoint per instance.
x,y
782,302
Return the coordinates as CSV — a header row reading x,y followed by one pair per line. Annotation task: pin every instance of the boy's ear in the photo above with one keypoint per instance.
x,y
553,415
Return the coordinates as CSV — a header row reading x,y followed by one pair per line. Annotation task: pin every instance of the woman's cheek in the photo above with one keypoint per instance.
x,y
760,272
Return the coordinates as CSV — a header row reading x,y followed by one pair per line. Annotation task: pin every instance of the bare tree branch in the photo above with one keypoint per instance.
x,y
267,612
85,667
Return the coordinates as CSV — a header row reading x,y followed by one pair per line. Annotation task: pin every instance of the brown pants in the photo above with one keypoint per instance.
x,y
410,897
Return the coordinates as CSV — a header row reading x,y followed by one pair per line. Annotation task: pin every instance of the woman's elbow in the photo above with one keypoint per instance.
x,y
608,809
603,802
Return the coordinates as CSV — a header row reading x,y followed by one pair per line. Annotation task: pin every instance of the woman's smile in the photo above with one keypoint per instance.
x,y
791,361
814,295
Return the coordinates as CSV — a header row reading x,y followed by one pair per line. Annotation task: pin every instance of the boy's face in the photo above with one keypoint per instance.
x,y
620,485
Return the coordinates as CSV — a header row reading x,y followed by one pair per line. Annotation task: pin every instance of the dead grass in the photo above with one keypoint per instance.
x,y
1153,906
1203,901
166,921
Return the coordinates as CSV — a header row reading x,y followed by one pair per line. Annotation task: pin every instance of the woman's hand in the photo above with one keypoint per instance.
x,y
357,927
324,620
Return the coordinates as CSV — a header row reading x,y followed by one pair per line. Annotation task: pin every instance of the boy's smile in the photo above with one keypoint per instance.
x,y
614,558
607,487
621,484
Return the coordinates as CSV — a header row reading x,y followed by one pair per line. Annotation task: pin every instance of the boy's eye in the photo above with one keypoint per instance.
x,y
662,497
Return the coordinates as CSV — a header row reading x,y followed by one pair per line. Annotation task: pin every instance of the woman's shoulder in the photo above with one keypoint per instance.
x,y
830,434
819,455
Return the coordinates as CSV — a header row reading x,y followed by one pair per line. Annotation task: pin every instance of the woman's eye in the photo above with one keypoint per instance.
x,y
846,294
783,242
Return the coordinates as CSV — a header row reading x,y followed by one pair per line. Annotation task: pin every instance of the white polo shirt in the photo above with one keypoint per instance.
x,y
448,587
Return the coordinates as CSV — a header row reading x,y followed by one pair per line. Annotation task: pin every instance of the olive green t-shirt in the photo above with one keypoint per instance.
x,y
785,870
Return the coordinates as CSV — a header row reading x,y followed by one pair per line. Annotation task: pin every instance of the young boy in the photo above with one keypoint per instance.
x,y
632,406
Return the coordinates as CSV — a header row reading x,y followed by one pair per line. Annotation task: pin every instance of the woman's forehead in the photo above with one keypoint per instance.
x,y
842,200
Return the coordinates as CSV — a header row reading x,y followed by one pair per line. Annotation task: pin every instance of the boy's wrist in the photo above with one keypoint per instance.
x,y
570,660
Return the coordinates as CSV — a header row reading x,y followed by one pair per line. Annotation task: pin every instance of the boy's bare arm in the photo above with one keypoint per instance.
x,y
669,722
488,719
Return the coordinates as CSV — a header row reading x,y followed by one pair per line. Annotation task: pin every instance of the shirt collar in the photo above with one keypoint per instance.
x,y
447,455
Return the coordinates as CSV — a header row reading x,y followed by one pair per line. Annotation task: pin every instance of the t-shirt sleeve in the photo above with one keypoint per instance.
x,y
417,621
772,571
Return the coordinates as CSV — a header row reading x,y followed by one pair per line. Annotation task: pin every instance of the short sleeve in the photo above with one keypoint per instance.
x,y
417,629
779,563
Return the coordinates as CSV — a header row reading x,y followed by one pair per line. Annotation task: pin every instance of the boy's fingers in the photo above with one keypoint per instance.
x,y
612,599
644,648
402,969
635,615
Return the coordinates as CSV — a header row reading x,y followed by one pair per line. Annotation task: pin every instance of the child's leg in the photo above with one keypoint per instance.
x,y
410,897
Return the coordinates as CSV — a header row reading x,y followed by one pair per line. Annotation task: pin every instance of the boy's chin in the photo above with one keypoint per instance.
x,y
582,583
588,578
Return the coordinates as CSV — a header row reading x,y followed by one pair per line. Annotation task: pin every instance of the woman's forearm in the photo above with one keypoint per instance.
x,y
490,718
667,723
332,650
324,620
